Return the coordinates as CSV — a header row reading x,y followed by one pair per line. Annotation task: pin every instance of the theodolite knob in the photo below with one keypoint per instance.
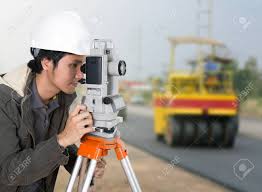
x,y
107,100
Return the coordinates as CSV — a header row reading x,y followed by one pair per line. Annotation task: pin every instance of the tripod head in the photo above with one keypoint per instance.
x,y
101,78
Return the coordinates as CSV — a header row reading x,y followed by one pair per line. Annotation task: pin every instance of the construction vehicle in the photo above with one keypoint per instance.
x,y
198,106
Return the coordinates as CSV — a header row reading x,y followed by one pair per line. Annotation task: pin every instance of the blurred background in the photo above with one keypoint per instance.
x,y
193,87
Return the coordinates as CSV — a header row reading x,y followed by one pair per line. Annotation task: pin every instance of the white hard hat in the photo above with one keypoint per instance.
x,y
64,31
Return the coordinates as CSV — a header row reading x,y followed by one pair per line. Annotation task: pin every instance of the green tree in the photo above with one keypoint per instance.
x,y
248,75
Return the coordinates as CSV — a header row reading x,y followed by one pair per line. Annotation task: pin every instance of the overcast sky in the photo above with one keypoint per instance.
x,y
139,29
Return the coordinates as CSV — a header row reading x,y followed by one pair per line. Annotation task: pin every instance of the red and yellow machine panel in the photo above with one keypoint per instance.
x,y
195,104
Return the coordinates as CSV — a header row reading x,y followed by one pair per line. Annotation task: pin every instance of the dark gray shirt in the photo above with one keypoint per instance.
x,y
42,114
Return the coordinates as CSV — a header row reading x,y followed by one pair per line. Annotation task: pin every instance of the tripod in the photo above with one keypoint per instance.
x,y
94,147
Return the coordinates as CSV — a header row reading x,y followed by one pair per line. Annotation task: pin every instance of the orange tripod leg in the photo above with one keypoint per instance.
x,y
121,152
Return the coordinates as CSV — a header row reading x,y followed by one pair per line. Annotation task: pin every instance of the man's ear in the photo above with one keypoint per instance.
x,y
46,64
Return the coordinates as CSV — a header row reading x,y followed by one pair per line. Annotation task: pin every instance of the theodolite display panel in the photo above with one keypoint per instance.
x,y
93,70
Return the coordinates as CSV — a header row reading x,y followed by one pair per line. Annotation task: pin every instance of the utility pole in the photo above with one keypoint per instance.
x,y
204,29
139,65
205,13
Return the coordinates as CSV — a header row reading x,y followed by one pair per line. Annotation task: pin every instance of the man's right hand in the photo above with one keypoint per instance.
x,y
79,123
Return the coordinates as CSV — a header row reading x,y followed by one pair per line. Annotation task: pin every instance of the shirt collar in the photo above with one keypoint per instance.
x,y
38,103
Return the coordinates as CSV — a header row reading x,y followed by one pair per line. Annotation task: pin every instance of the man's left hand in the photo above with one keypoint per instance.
x,y
100,168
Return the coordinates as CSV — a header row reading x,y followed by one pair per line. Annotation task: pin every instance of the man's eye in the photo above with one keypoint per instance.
x,y
74,65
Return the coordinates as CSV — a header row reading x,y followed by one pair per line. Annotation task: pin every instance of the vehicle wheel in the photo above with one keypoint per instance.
x,y
160,137
231,129
189,131
217,127
173,132
202,126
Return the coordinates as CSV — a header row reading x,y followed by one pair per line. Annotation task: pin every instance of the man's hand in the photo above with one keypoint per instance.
x,y
99,172
79,123
100,168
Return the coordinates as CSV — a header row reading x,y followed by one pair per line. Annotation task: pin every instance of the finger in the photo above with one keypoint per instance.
x,y
101,164
84,115
85,123
98,168
103,161
98,171
86,130
77,109
99,174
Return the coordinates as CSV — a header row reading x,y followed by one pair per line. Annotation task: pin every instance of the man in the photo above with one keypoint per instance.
x,y
37,132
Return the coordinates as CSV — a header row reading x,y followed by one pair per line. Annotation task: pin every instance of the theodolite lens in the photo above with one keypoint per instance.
x,y
122,67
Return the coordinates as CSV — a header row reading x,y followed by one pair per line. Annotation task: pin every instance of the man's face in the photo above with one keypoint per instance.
x,y
67,73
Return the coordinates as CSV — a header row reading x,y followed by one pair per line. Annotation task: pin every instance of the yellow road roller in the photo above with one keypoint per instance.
x,y
199,106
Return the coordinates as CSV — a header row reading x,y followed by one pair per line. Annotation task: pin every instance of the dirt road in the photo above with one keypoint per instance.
x,y
153,174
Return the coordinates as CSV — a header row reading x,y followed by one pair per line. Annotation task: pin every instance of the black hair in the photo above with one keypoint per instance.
x,y
35,64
